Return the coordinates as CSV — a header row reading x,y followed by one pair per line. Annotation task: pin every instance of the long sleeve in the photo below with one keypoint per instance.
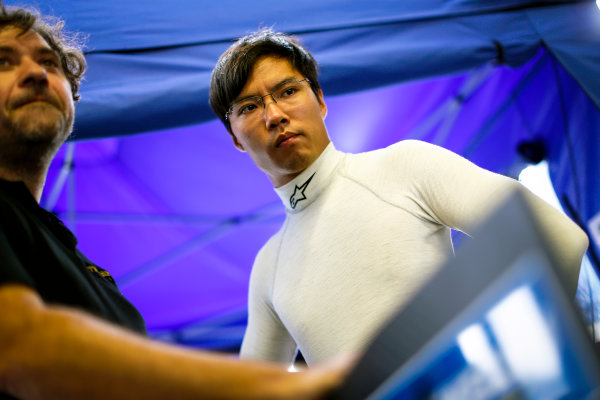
x,y
266,337
457,193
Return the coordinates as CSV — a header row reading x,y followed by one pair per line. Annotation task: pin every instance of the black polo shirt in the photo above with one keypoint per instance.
x,y
37,250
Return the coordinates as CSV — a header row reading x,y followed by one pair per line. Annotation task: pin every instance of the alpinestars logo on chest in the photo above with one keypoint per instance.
x,y
298,194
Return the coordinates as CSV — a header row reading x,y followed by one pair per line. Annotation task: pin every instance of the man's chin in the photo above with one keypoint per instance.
x,y
39,134
44,127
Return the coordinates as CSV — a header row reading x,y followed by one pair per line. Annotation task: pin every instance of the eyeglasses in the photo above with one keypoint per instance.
x,y
288,93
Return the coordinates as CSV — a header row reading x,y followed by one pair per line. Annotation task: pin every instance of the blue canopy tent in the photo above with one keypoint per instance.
x,y
177,214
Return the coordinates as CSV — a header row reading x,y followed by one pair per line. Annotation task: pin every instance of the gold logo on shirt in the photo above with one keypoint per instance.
x,y
102,273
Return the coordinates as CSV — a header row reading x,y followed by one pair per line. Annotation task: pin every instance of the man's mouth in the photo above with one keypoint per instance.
x,y
35,99
285,138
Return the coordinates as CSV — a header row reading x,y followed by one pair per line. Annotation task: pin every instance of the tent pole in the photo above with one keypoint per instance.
x,y
455,104
71,186
265,213
59,182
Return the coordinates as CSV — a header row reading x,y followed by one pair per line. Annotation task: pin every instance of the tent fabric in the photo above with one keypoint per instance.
x,y
175,49
573,41
177,215
141,25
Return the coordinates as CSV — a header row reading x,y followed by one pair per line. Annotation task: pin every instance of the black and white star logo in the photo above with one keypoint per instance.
x,y
298,194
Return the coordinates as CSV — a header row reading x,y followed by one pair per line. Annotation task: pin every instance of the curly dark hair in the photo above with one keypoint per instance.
x,y
67,45
235,65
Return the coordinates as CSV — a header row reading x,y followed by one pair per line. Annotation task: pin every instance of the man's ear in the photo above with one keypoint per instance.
x,y
322,104
236,143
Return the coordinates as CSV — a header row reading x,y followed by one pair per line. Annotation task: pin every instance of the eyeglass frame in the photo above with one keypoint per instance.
x,y
277,87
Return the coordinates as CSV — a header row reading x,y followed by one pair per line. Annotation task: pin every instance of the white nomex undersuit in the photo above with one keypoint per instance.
x,y
362,234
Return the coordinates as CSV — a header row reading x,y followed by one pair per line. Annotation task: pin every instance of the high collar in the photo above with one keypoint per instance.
x,y
301,191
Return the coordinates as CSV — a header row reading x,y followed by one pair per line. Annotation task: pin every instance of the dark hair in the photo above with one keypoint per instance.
x,y
235,65
67,46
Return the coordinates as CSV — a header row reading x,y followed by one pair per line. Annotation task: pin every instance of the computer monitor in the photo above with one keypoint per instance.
x,y
496,322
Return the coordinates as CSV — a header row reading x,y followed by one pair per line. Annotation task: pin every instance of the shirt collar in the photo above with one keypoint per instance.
x,y
301,191
18,190
18,194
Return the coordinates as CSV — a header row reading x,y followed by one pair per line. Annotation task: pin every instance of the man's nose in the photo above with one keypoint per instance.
x,y
32,73
274,114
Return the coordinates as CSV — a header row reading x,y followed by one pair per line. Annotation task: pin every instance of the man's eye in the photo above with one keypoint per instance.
x,y
247,108
289,91
4,61
49,63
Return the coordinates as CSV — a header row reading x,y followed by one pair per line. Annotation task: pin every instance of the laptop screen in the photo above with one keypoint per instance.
x,y
516,340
